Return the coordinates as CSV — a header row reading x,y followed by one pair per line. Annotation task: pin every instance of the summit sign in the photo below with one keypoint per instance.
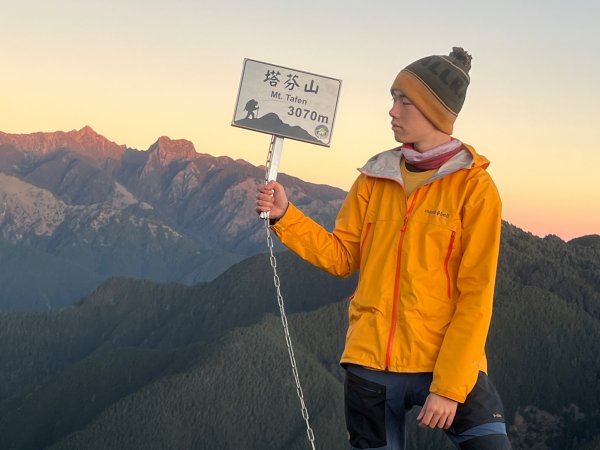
x,y
286,102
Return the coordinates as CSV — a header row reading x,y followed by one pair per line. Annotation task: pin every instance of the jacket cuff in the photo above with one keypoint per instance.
x,y
457,397
291,216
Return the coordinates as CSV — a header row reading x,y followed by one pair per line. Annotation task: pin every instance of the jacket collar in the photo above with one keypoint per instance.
x,y
387,164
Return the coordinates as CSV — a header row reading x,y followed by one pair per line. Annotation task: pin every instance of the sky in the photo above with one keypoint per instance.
x,y
137,70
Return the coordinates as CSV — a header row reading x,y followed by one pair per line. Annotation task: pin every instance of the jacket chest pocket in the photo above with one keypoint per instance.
x,y
431,265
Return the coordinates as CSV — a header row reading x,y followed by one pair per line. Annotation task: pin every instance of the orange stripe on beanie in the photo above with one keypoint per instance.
x,y
437,85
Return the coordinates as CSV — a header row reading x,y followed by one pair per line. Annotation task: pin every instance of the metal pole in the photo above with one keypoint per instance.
x,y
272,167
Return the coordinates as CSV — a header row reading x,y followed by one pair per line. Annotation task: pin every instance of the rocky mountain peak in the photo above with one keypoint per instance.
x,y
95,144
167,150
84,141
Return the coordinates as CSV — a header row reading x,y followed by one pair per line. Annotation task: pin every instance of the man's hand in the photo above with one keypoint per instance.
x,y
437,412
271,198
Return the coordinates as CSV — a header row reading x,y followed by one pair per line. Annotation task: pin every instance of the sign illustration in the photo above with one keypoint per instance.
x,y
286,102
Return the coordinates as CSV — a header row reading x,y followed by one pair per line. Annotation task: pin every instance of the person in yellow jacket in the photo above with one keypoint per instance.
x,y
422,225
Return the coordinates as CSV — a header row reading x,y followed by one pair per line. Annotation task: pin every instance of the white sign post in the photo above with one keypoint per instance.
x,y
286,103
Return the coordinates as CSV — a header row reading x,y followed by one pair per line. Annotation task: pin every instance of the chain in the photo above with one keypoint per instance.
x,y
288,340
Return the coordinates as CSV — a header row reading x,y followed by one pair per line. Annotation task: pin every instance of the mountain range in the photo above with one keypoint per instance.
x,y
145,365
77,209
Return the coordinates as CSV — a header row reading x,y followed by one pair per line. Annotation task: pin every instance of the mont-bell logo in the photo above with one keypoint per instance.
x,y
437,212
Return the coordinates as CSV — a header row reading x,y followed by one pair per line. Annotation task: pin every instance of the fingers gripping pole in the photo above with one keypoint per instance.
x,y
272,165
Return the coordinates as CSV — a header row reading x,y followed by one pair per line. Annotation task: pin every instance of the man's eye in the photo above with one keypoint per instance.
x,y
402,99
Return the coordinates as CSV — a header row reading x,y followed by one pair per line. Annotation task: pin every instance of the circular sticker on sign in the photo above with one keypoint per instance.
x,y
322,132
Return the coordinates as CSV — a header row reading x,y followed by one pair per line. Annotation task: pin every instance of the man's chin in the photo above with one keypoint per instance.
x,y
400,137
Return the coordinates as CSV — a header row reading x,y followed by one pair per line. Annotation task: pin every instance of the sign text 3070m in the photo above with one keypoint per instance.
x,y
307,114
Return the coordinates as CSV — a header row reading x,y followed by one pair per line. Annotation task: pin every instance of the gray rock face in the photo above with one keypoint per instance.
x,y
85,208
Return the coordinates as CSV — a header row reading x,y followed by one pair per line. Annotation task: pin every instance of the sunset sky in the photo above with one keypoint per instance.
x,y
136,70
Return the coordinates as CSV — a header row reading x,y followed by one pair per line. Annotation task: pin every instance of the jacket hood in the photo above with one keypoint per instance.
x,y
387,164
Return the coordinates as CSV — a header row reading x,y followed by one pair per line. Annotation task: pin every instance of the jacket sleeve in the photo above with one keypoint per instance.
x,y
462,350
337,252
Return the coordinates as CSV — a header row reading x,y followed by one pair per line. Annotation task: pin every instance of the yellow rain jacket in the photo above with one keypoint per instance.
x,y
427,267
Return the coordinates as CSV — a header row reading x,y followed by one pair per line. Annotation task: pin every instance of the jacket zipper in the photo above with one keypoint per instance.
x,y
362,244
446,261
388,356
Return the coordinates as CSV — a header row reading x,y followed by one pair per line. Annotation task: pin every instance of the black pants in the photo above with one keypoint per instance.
x,y
377,402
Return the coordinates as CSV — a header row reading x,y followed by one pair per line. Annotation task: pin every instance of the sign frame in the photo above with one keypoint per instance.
x,y
295,110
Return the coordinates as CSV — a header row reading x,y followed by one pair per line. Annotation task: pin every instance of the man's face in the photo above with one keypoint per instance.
x,y
409,125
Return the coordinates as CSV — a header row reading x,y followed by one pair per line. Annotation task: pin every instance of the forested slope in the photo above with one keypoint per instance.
x,y
141,365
